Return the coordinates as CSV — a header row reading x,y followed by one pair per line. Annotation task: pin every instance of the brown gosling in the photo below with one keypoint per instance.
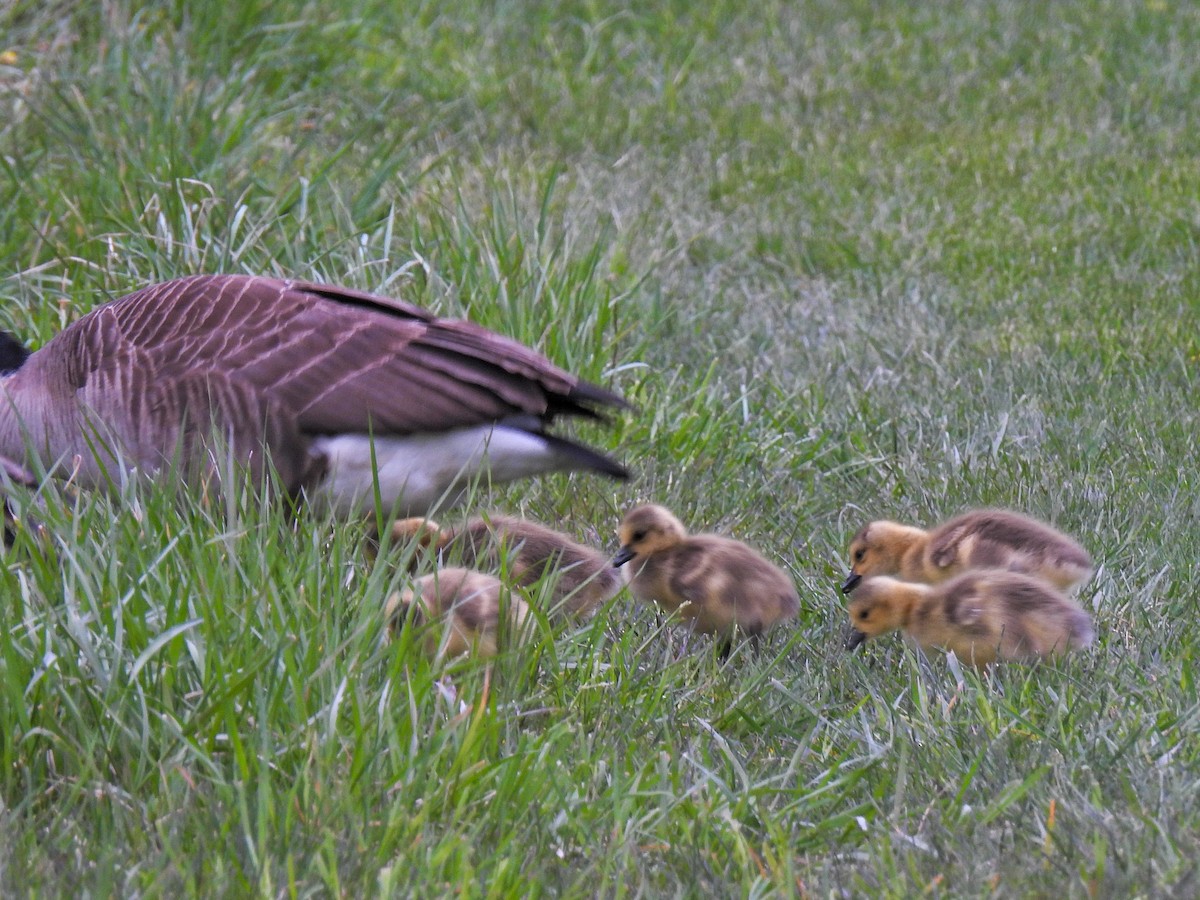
x,y
981,539
717,584
982,615
582,578
470,606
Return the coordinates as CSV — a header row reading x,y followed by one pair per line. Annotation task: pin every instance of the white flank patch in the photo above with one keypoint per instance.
x,y
420,473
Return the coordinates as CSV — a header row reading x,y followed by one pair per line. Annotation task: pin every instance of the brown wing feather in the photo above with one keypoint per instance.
x,y
339,360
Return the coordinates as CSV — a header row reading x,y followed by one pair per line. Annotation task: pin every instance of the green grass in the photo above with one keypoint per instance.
x,y
849,260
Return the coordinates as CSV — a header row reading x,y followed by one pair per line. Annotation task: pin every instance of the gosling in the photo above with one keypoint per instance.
x,y
982,539
983,615
581,579
479,614
717,584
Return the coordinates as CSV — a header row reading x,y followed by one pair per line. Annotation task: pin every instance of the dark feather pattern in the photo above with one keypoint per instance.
x,y
339,357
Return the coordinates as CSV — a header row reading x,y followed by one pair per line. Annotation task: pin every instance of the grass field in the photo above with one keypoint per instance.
x,y
850,260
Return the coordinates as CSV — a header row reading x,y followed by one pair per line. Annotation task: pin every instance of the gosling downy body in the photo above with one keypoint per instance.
x,y
982,615
470,606
580,578
985,538
328,386
718,584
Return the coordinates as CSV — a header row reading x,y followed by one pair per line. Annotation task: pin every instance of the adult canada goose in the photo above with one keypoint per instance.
x,y
329,381
580,579
982,615
476,611
718,584
982,538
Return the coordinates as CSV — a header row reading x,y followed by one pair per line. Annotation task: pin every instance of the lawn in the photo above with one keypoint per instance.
x,y
848,260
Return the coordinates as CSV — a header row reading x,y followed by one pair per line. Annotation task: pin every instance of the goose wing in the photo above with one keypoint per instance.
x,y
340,360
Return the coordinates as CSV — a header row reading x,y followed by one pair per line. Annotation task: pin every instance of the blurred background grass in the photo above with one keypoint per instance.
x,y
849,260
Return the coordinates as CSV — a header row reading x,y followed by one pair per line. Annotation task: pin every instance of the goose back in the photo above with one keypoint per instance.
x,y
281,365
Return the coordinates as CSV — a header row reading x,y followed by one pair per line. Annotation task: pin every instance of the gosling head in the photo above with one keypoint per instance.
x,y
877,549
647,529
874,609
425,532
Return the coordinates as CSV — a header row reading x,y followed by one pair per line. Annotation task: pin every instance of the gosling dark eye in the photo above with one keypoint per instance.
x,y
862,614
639,535
859,554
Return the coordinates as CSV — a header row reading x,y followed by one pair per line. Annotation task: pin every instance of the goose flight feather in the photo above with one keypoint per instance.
x,y
311,372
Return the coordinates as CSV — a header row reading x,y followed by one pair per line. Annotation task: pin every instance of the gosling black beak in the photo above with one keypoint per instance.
x,y
854,641
851,582
623,556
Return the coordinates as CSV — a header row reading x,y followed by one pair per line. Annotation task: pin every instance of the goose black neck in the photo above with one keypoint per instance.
x,y
12,353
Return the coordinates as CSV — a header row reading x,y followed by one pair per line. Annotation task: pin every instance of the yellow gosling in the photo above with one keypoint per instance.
x,y
981,539
983,615
717,584
470,606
